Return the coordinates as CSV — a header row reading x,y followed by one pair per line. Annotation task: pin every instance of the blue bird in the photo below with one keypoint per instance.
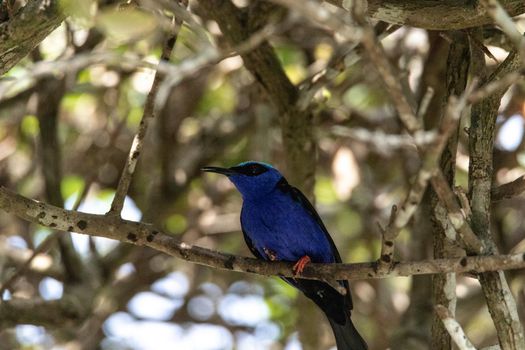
x,y
280,224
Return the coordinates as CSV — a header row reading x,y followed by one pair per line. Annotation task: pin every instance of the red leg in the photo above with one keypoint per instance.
x,y
300,265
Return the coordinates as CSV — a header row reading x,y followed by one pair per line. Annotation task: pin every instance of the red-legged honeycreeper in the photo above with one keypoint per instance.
x,y
279,223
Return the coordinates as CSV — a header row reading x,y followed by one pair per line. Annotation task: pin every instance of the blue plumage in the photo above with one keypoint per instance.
x,y
279,223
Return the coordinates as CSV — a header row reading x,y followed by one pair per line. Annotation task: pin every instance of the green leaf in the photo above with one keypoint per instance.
x,y
282,288
349,222
293,62
176,223
364,97
71,185
324,191
81,11
220,98
30,126
126,24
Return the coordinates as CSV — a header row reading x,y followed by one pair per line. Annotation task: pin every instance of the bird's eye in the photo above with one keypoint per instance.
x,y
251,169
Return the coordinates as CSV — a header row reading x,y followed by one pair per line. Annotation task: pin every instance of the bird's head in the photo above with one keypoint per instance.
x,y
252,179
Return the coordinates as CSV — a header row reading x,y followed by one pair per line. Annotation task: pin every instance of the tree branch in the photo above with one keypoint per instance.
x,y
25,260
387,71
500,302
502,18
147,235
26,29
51,313
508,190
262,62
429,171
384,143
138,140
435,15
454,328
444,286
50,91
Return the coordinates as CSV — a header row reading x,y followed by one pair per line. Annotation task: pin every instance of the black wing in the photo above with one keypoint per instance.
x,y
299,197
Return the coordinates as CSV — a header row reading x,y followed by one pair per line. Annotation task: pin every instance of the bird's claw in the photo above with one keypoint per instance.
x,y
300,265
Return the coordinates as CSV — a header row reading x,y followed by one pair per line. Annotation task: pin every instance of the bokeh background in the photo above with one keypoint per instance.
x,y
142,299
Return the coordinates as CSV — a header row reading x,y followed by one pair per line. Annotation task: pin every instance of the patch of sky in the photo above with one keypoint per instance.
x,y
201,308
174,285
293,343
510,133
247,310
50,288
94,204
16,242
30,335
148,305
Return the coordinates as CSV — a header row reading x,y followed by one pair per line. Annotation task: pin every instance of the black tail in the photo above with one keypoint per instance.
x,y
346,336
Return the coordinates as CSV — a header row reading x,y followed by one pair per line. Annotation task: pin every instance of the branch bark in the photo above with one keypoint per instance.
x,y
148,114
435,15
147,235
444,286
52,313
500,302
26,29
454,328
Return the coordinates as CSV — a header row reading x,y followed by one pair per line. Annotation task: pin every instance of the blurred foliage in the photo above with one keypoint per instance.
x,y
219,115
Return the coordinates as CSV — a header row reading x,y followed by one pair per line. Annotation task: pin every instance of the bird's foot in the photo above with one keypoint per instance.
x,y
300,265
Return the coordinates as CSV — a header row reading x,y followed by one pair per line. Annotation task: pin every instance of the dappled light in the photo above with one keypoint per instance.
x,y
135,135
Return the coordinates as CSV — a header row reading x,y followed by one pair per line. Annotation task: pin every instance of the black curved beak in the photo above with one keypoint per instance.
x,y
223,171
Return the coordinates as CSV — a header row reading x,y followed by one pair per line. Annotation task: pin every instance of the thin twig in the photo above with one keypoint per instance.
x,y
454,328
495,86
425,103
378,56
502,18
366,35
428,170
386,143
456,215
508,190
138,140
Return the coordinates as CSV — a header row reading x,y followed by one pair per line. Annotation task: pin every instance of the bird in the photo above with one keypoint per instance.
x,y
280,224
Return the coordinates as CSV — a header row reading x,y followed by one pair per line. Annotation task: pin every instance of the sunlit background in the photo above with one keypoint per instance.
x,y
219,117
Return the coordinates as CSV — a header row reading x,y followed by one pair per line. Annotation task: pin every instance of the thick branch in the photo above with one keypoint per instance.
x,y
40,264
52,313
454,328
500,302
50,92
435,15
26,29
147,235
444,286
